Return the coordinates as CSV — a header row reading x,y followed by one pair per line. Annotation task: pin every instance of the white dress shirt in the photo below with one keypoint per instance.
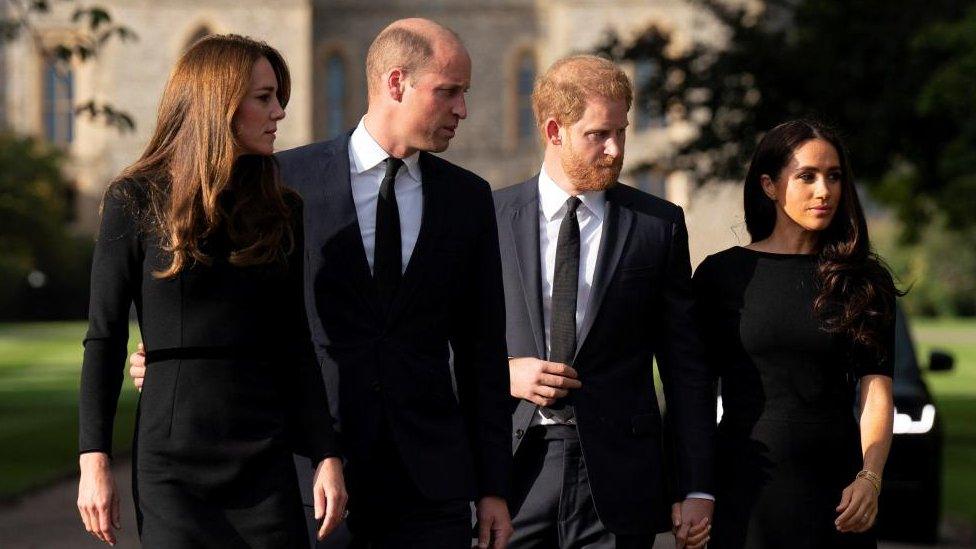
x,y
590,215
366,171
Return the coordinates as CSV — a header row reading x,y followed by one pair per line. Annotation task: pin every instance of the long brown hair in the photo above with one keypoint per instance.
x,y
195,182
856,294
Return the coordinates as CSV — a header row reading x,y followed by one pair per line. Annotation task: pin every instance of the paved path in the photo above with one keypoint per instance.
x,y
49,519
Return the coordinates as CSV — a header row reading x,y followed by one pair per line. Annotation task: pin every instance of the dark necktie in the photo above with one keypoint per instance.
x,y
387,252
565,282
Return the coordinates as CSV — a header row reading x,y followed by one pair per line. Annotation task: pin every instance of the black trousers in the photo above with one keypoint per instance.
x,y
552,505
387,510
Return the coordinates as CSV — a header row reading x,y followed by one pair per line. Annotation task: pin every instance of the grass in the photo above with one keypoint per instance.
x,y
40,365
955,393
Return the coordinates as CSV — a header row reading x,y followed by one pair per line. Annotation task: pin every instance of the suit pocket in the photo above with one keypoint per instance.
x,y
645,425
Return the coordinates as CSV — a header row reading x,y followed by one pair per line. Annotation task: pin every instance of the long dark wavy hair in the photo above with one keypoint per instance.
x,y
856,292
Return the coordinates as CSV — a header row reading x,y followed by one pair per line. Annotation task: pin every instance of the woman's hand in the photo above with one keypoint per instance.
x,y
858,507
98,501
329,492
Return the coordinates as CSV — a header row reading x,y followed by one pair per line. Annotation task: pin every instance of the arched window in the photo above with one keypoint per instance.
x,y
649,112
201,32
524,80
335,95
58,103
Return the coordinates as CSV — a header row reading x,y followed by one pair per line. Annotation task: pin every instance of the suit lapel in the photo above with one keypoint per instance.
x,y
616,229
432,217
340,215
525,235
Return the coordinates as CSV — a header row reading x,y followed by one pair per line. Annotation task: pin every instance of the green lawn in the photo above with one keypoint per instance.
x,y
955,393
40,365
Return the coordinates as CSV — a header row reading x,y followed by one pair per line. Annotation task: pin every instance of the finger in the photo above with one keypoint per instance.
x,y
85,519
675,516
702,526
541,401
484,532
560,382
105,524
845,500
331,520
682,535
559,369
501,538
319,502
550,392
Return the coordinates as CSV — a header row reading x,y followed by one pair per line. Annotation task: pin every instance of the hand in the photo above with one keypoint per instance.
x,y
691,522
329,492
494,523
539,381
137,366
98,501
858,507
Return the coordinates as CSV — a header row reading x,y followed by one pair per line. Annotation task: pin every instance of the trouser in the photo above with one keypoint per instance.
x,y
552,505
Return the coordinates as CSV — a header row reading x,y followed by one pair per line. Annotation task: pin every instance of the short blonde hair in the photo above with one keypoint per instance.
x,y
561,92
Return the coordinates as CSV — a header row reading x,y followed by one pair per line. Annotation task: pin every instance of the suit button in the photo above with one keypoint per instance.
x,y
376,387
519,433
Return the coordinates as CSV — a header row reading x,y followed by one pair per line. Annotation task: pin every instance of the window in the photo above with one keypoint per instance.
x,y
647,80
524,81
58,104
335,95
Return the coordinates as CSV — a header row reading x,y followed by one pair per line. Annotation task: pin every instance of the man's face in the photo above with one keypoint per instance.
x,y
592,151
433,100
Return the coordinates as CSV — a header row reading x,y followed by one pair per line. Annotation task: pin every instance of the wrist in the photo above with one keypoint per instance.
x,y
97,460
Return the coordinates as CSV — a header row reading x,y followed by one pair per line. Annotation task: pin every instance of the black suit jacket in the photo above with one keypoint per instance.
x,y
394,366
640,307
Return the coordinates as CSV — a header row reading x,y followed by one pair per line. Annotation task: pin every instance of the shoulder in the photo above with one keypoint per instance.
x,y
722,262
311,151
460,179
647,204
128,196
514,196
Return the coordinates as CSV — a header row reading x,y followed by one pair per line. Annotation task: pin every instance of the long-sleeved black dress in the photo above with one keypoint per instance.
x,y
231,389
788,442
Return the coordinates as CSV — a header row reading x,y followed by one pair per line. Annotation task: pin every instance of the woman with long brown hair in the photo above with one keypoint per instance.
x,y
200,234
793,322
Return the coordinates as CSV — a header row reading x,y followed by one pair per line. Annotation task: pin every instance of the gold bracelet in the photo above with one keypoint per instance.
x,y
871,477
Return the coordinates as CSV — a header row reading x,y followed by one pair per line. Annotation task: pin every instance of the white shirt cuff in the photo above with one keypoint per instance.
x,y
700,495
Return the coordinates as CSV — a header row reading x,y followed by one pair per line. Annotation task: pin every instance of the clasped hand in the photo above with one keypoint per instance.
x,y
539,381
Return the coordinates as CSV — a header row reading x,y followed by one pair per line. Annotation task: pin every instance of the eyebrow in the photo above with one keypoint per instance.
x,y
815,168
266,88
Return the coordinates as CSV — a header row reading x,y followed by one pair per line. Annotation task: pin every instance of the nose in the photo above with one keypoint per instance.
x,y
614,147
278,112
821,189
460,107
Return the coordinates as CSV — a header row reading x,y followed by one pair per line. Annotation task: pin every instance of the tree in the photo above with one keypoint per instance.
x,y
897,78
95,28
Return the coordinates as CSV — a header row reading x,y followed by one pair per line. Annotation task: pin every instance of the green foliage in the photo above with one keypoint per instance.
x,y
899,79
34,242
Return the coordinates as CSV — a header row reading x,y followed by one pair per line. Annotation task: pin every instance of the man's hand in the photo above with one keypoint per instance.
x,y
329,492
494,523
539,381
691,522
137,366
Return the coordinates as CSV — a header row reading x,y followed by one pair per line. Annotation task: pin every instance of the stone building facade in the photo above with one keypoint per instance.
x,y
325,43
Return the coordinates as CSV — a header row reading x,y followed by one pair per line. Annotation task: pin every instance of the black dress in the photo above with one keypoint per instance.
x,y
231,390
788,441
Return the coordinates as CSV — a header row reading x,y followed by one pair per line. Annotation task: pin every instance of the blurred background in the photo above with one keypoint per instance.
x,y
80,81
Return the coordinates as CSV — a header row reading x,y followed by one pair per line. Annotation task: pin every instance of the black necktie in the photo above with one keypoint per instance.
x,y
387,259
565,282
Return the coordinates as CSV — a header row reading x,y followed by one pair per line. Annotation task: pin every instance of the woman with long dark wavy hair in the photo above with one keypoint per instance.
x,y
793,322
200,234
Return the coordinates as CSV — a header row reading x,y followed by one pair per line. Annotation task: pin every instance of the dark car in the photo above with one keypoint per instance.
x,y
910,505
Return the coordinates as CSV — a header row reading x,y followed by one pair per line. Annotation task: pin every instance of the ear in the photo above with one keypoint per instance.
x,y
395,82
768,186
552,132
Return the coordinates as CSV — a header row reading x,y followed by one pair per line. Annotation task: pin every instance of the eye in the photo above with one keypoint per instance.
x,y
806,176
835,177
264,97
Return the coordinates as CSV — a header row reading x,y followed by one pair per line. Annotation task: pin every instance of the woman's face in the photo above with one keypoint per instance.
x,y
807,190
256,119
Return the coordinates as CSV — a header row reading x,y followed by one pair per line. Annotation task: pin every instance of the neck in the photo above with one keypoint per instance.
x,y
554,167
789,238
378,125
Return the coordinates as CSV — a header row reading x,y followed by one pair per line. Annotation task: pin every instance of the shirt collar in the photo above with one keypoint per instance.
x,y
366,153
552,198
